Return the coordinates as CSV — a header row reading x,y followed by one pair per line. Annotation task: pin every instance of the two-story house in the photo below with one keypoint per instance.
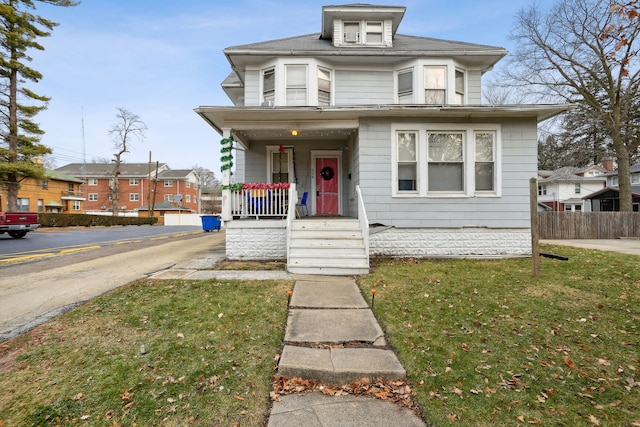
x,y
138,185
57,192
564,189
384,128
608,199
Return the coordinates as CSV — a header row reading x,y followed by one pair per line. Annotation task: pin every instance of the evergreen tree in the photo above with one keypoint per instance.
x,y
20,135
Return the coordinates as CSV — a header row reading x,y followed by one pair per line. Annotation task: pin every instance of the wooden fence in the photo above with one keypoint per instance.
x,y
588,225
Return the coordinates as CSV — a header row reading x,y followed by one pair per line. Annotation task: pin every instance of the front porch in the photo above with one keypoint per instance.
x,y
265,224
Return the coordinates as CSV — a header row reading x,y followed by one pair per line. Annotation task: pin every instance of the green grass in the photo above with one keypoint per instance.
x,y
210,349
485,343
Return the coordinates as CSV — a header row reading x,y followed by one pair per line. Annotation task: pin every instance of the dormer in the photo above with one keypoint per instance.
x,y
359,25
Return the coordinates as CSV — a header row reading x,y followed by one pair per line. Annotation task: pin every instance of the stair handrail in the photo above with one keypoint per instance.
x,y
364,221
291,214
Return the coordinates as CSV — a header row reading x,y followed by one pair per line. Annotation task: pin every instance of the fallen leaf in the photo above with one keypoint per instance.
x,y
452,416
520,418
594,420
220,315
180,335
236,397
569,363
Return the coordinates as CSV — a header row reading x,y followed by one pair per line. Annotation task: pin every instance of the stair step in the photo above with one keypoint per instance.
x,y
328,270
339,365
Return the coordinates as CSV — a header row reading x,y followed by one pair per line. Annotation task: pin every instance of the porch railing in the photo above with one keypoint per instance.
x,y
260,202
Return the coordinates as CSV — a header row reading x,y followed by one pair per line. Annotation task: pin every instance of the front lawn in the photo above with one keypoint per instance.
x,y
485,343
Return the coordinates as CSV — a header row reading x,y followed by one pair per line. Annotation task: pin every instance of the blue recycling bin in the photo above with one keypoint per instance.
x,y
210,222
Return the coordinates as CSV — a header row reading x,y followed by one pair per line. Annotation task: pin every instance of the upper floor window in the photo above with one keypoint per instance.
x,y
542,190
460,87
324,86
269,85
635,178
351,32
134,197
577,188
168,197
93,181
296,85
435,85
168,183
188,184
45,184
373,32
405,86
93,197
134,181
71,188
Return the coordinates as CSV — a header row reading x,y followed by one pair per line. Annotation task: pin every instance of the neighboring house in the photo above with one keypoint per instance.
x,y
58,192
564,189
379,126
608,198
135,188
211,200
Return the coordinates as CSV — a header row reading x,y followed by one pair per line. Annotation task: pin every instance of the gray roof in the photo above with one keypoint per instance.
x,y
102,170
174,173
632,169
571,174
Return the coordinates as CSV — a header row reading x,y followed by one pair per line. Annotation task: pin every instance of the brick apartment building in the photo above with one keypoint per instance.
x,y
139,185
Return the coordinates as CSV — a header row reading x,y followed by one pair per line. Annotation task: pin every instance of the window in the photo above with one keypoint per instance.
x,y
542,190
446,160
40,205
188,198
407,161
324,86
373,32
45,184
168,197
635,178
459,87
71,188
134,197
296,85
76,205
134,181
435,85
168,183
23,204
484,161
280,165
93,197
188,184
268,85
93,181
577,188
351,32
614,180
405,86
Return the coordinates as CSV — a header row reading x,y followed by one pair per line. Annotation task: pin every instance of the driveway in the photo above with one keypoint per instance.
x,y
625,246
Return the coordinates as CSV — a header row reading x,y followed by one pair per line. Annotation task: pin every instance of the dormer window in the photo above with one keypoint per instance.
x,y
352,32
373,33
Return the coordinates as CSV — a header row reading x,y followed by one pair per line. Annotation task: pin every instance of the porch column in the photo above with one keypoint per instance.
x,y
226,181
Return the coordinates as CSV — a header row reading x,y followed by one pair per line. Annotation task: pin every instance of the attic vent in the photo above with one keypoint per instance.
x,y
351,37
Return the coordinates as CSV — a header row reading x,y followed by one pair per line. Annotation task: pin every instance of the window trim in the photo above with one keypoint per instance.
x,y
468,130
93,197
288,87
134,197
134,181
411,92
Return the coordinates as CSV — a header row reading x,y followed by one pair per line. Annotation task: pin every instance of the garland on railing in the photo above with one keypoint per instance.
x,y
266,186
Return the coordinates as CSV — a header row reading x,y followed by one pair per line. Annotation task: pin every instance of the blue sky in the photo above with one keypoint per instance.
x,y
160,59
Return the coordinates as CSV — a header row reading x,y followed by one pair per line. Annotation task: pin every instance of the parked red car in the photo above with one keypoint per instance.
x,y
18,224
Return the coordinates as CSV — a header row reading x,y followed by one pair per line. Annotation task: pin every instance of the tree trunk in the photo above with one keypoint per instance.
x,y
12,178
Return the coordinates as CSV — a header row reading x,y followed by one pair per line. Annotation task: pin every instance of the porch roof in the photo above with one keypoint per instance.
x,y
246,123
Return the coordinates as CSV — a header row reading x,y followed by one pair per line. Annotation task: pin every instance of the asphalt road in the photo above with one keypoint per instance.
x,y
32,292
56,241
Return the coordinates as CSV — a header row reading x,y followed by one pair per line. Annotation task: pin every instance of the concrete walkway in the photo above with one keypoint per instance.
x,y
331,336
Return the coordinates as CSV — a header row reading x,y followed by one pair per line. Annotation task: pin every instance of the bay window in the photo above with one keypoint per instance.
x,y
296,76
435,85
324,86
268,85
405,86
459,77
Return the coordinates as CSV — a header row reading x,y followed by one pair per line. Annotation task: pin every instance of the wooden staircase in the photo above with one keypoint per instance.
x,y
327,246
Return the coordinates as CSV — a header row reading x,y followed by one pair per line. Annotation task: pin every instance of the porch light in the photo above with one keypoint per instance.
x,y
294,133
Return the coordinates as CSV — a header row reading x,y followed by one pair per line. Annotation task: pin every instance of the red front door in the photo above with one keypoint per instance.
x,y
327,194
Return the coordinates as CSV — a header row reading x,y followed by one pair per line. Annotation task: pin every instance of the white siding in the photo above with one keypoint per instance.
x,y
510,210
474,89
252,96
363,87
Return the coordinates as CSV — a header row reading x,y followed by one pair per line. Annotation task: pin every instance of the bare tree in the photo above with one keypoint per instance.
x,y
128,127
585,52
